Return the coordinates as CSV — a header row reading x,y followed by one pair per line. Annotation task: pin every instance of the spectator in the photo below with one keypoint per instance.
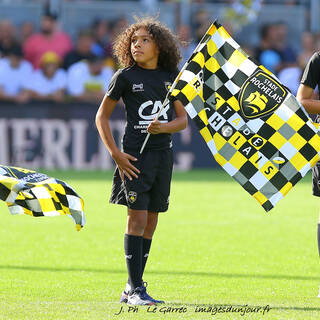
x,y
7,37
186,44
48,39
104,35
271,59
26,30
200,17
307,49
49,82
201,23
265,53
88,80
290,76
287,53
15,74
82,50
101,44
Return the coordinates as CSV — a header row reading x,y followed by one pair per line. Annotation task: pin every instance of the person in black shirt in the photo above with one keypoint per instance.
x,y
306,95
150,54
82,51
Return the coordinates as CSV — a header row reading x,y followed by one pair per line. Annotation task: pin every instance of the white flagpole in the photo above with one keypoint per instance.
x,y
166,100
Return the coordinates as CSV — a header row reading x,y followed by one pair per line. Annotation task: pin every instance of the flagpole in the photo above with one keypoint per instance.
x,y
166,100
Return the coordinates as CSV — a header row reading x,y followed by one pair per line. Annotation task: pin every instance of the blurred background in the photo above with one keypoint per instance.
x,y
56,62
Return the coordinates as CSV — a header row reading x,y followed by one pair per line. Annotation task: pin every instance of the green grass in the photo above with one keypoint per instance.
x,y
215,246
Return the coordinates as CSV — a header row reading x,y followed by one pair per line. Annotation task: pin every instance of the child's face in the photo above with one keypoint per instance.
x,y
144,49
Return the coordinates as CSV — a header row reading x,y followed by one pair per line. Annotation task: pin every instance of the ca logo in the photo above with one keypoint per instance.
x,y
149,109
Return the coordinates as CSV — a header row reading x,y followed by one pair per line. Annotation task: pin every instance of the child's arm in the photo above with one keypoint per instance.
x,y
102,122
305,95
179,123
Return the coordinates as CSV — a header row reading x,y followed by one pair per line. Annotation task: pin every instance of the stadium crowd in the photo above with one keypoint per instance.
x,y
47,65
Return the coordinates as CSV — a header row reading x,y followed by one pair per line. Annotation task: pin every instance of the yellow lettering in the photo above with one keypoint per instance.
x,y
236,121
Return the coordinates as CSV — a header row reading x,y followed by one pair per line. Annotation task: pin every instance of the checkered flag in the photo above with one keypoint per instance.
x,y
36,194
256,130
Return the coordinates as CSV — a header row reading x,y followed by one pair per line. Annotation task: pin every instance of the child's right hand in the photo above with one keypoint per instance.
x,y
126,168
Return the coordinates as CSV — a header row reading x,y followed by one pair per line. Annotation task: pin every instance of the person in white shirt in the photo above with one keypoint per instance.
x,y
15,74
88,80
290,76
49,82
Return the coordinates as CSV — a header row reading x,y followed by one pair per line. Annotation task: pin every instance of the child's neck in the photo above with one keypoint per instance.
x,y
149,66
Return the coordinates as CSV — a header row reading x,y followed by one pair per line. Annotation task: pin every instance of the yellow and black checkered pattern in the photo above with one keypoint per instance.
x,y
266,155
36,194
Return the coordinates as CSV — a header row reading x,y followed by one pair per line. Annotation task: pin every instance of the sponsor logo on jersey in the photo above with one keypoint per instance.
x,y
261,95
137,87
132,196
149,109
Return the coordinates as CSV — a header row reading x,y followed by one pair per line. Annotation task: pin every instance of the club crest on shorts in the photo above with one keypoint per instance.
x,y
260,95
132,196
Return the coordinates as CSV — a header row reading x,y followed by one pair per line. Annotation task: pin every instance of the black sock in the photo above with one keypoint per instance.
x,y
319,238
133,252
146,244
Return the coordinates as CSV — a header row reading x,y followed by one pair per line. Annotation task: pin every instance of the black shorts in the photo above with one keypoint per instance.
x,y
316,180
152,188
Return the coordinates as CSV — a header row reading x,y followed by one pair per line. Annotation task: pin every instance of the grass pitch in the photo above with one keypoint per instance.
x,y
215,250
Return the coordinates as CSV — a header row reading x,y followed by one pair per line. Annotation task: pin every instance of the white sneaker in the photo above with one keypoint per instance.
x,y
136,297
125,293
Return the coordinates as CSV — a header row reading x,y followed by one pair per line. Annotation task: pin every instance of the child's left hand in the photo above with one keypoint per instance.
x,y
155,127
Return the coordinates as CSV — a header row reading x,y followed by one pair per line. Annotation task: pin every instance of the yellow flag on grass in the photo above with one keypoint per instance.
x,y
36,194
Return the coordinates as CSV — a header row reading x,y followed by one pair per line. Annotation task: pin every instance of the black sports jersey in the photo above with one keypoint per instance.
x,y
143,91
311,74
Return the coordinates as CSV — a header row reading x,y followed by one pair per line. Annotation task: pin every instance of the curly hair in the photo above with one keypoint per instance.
x,y
166,41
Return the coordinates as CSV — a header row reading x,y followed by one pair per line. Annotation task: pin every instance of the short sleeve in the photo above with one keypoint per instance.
x,y
311,74
117,85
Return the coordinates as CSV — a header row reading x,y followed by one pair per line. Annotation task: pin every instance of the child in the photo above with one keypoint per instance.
x,y
306,95
150,54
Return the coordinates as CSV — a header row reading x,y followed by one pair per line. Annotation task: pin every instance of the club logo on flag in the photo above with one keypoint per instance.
x,y
260,95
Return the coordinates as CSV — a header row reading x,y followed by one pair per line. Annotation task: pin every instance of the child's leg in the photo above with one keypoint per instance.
x,y
319,235
147,237
133,242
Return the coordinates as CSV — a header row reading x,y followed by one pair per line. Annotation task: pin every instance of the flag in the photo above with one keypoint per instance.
x,y
36,194
255,128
